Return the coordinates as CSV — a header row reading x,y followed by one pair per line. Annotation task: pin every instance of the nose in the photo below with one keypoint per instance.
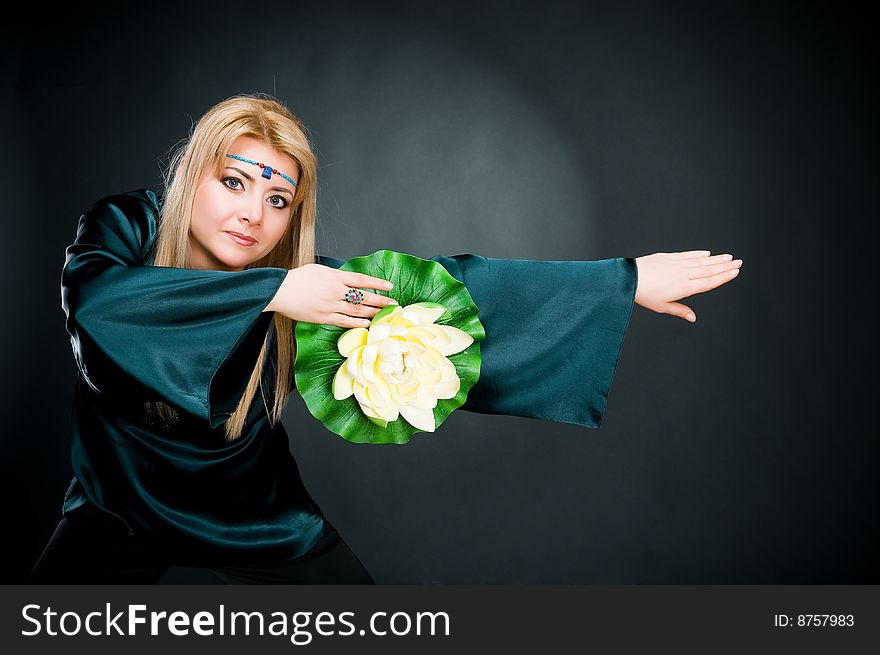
x,y
252,210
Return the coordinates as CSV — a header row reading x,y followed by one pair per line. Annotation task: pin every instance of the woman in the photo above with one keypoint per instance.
x,y
181,316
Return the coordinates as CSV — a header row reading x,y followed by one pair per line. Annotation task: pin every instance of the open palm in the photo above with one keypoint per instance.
x,y
665,277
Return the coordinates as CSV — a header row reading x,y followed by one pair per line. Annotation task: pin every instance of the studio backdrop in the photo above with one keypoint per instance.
x,y
734,450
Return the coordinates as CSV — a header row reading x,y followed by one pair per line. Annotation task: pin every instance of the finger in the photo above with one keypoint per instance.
x,y
682,311
366,281
708,271
702,261
342,320
363,311
371,298
690,254
708,283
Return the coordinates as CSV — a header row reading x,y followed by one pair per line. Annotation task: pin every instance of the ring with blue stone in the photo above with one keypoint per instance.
x,y
354,296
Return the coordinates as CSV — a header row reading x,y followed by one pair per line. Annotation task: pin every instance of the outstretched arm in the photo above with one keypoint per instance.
x,y
554,331
665,277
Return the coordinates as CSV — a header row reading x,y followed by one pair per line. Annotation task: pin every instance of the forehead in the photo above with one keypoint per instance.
x,y
250,148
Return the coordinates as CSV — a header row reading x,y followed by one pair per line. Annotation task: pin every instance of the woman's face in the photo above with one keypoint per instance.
x,y
241,201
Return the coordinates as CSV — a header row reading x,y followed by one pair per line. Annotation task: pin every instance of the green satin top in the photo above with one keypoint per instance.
x,y
191,338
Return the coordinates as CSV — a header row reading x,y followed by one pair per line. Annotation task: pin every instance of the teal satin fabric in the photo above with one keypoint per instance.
x,y
190,338
554,330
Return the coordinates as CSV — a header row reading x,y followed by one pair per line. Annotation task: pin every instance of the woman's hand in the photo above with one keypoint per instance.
x,y
315,293
665,277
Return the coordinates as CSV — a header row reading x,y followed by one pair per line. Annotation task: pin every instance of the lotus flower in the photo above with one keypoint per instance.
x,y
417,359
398,366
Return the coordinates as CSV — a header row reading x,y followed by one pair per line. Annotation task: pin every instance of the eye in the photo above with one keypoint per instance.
x,y
227,180
281,205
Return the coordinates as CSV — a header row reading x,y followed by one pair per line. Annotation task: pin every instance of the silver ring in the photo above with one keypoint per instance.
x,y
354,296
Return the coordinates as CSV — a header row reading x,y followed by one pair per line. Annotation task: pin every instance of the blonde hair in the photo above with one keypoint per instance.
x,y
262,117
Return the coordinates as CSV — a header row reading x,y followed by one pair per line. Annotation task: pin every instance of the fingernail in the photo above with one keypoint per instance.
x,y
388,285
393,302
691,317
734,271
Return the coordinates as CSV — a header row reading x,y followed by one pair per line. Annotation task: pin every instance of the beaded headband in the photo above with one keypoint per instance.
x,y
267,170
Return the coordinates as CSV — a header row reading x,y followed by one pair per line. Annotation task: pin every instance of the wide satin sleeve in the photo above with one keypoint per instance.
x,y
186,335
554,331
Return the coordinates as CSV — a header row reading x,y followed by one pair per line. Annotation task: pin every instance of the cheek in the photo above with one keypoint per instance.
x,y
279,232
207,211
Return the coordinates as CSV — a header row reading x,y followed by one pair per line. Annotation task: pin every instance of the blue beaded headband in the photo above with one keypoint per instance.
x,y
267,170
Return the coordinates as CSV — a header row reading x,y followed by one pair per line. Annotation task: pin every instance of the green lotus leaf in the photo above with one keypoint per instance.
x,y
318,359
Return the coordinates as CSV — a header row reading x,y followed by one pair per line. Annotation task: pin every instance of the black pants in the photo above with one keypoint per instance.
x,y
88,549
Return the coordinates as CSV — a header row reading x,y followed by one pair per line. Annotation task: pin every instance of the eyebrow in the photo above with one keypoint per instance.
x,y
250,179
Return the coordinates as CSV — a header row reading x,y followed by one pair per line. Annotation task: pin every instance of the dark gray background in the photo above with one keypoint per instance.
x,y
736,450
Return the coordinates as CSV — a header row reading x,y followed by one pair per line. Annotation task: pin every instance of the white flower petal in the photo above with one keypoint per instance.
x,y
403,394
368,362
415,348
457,340
426,399
423,419
428,377
408,378
387,371
369,411
424,313
378,394
378,332
342,383
353,364
370,352
390,348
441,336
448,371
350,340
390,412
448,387
432,358
360,393
423,335
401,321
375,418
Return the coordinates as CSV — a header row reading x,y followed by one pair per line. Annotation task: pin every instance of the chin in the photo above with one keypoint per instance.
x,y
229,263
238,265
235,260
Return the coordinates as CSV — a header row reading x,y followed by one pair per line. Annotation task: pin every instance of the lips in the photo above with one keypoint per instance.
x,y
242,239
